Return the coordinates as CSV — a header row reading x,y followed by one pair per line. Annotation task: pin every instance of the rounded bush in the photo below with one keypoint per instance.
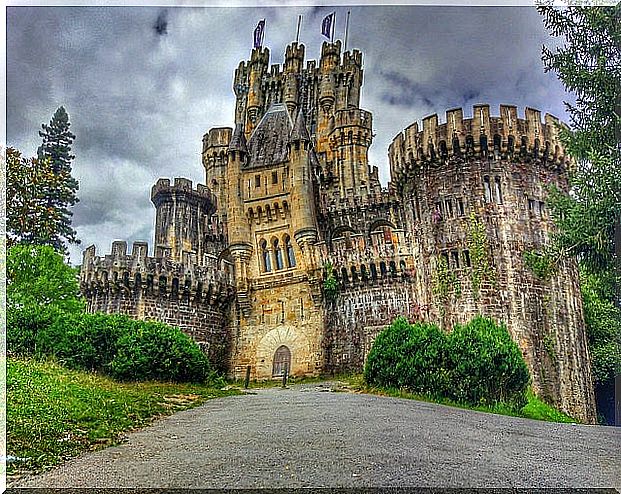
x,y
153,350
408,356
486,366
477,363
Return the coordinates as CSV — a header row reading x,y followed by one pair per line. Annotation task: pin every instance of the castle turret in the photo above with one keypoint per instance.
x,y
294,59
238,229
259,61
302,194
182,216
215,158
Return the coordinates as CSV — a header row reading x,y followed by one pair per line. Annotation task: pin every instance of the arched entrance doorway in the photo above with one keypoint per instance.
x,y
282,361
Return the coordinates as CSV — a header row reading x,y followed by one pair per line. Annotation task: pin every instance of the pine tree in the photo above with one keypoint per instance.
x,y
56,147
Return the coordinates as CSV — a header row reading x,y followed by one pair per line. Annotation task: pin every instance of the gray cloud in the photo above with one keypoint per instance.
x,y
143,84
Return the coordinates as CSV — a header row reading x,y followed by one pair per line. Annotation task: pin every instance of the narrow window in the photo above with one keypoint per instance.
x,y
290,253
541,207
354,274
467,258
461,207
448,206
363,273
531,204
274,178
257,181
488,190
455,259
383,269
265,256
277,254
373,271
344,275
393,268
498,190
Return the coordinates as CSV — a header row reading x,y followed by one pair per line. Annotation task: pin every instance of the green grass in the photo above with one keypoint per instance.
x,y
535,409
54,413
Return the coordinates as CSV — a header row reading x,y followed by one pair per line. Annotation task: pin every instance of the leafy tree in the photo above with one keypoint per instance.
x,y
29,184
38,276
589,216
589,65
56,146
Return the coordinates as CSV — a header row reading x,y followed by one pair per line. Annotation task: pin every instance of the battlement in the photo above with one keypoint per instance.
x,y
481,135
352,58
353,117
331,49
182,188
260,56
217,137
157,275
294,51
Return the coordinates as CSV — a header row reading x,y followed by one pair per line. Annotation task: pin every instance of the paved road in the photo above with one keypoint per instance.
x,y
307,436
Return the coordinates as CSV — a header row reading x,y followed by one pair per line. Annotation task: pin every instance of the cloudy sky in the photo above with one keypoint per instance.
x,y
143,84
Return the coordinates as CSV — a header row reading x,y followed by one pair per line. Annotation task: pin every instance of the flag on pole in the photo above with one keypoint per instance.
x,y
326,25
258,34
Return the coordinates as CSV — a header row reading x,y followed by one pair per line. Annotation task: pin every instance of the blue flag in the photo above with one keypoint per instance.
x,y
326,25
258,34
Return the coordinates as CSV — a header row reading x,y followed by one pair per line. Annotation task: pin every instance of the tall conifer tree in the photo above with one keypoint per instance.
x,y
56,147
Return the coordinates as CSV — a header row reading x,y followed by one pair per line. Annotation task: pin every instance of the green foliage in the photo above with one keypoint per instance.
x,y
486,365
603,323
411,356
479,255
56,147
54,413
152,350
475,364
330,285
588,65
37,277
445,282
540,264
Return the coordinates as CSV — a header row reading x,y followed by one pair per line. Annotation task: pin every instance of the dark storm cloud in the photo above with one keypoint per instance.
x,y
139,101
161,23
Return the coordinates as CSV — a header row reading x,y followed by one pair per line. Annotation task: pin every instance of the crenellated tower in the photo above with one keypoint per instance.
x,y
291,197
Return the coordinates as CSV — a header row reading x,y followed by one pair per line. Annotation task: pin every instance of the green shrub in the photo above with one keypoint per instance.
x,y
152,350
476,364
410,356
486,366
25,325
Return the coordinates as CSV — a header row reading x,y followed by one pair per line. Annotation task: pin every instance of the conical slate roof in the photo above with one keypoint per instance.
x,y
269,140
299,132
238,140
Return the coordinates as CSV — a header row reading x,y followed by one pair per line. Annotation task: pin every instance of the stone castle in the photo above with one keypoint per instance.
x,y
240,264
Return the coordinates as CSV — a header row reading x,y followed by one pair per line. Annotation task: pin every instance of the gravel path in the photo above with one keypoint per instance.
x,y
307,436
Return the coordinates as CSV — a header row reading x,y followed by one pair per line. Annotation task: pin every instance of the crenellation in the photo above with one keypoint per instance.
x,y
240,263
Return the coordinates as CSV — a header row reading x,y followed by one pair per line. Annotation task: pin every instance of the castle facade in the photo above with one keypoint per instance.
x,y
240,264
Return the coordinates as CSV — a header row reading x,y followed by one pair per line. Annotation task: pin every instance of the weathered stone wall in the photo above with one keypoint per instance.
x,y
359,312
498,188
193,297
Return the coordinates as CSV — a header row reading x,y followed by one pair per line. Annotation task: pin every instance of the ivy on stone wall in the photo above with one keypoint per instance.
x,y
445,283
330,285
478,246
540,264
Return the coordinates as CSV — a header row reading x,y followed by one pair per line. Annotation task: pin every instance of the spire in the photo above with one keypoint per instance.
x,y
299,131
238,140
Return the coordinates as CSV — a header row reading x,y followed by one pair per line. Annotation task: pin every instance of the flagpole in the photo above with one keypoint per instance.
x,y
333,26
263,33
297,36
346,30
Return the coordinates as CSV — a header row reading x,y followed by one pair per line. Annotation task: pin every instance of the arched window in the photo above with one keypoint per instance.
x,y
363,273
277,254
488,190
393,268
383,269
354,274
289,252
344,275
265,257
373,271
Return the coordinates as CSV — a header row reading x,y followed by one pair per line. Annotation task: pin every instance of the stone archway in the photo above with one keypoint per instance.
x,y
296,343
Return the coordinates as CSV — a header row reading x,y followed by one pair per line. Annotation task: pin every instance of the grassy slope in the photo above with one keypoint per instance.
x,y
54,413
